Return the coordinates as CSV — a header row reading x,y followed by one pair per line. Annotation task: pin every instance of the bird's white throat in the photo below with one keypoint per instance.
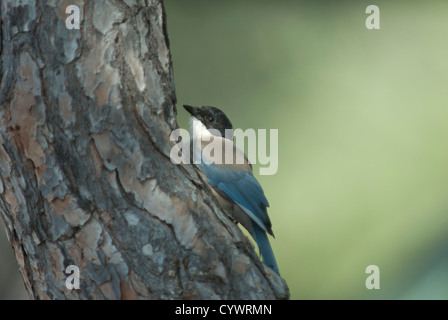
x,y
198,129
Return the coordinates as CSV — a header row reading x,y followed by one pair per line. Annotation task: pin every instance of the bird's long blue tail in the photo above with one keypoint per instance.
x,y
265,248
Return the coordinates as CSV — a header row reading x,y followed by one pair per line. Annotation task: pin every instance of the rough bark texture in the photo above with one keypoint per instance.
x,y
85,173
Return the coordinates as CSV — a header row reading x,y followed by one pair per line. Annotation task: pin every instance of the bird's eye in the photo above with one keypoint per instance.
x,y
210,119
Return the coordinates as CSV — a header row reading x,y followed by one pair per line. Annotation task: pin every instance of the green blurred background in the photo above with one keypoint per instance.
x,y
363,126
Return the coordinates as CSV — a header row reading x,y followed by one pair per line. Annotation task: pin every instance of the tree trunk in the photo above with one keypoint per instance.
x,y
85,173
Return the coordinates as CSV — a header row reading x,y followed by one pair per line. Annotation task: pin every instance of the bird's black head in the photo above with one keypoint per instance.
x,y
211,117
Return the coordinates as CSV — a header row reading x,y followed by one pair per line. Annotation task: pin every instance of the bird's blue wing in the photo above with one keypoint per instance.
x,y
242,187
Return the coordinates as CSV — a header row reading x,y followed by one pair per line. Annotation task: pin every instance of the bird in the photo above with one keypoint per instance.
x,y
238,192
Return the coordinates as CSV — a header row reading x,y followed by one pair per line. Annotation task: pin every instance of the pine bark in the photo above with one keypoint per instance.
x,y
85,173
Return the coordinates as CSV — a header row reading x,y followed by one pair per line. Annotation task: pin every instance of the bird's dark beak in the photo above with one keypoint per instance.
x,y
191,110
